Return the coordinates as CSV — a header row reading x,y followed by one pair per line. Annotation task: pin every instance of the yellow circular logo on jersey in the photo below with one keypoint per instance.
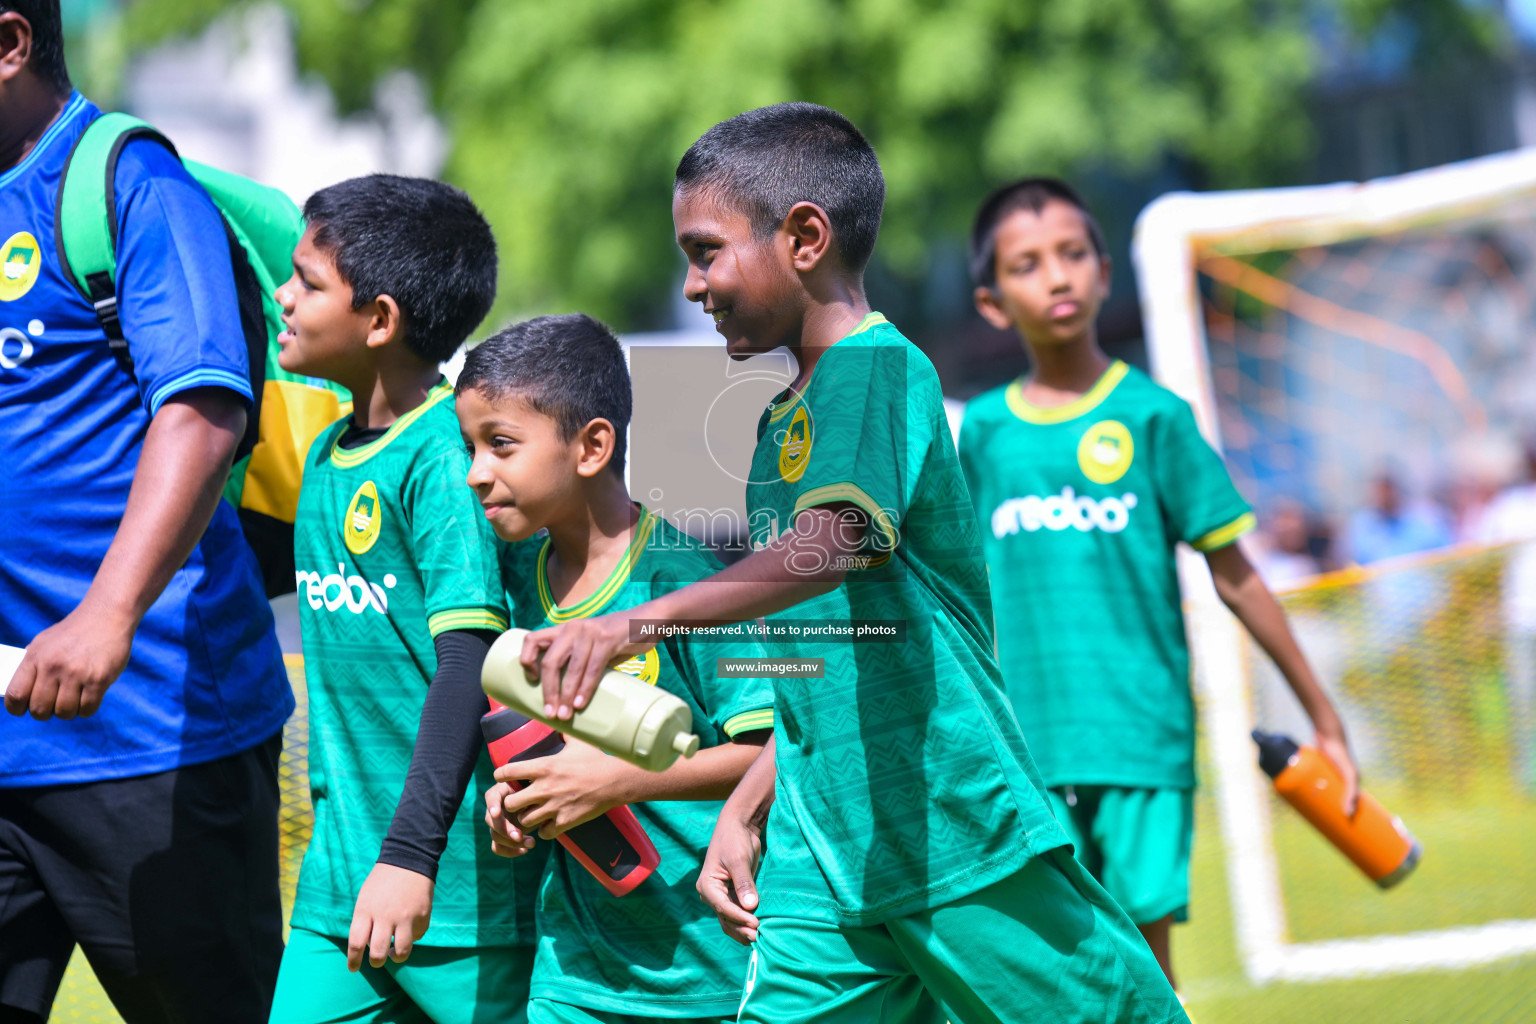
x,y
20,260
1105,451
795,451
644,667
361,525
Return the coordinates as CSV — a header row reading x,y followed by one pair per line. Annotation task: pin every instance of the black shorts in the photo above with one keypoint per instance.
x,y
168,882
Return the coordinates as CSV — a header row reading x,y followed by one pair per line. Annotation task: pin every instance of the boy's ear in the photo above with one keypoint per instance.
x,y
987,305
1105,266
385,321
15,44
596,441
809,231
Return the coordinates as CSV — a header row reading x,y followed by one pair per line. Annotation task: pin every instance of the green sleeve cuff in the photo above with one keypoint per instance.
x,y
1224,535
466,618
749,721
853,494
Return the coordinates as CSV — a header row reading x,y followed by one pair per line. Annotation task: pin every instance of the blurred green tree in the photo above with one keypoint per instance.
x,y
567,118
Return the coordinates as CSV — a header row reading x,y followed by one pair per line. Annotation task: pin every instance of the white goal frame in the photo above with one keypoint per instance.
x,y
1168,234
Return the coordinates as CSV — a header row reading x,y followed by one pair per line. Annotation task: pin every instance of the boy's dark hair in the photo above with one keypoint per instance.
x,y
570,368
1025,194
47,60
767,160
421,242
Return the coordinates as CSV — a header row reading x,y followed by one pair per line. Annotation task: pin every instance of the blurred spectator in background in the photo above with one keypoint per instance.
x,y
1391,526
1484,466
1282,552
1323,541
1512,515
1466,501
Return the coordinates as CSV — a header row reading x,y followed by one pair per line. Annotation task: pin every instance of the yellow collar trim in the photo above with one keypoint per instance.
x,y
611,586
870,321
1072,410
347,458
776,412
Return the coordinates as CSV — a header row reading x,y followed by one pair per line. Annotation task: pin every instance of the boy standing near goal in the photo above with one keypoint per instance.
x,y
913,867
1086,476
399,599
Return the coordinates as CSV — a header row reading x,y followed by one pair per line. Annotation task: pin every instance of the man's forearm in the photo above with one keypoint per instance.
x,y
182,469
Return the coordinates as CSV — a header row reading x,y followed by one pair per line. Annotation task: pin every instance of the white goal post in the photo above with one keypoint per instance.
x,y
1169,235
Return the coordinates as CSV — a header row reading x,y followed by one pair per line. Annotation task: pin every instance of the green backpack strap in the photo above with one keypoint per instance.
x,y
85,219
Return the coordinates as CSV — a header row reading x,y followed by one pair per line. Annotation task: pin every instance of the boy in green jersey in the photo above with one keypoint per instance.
x,y
913,868
1086,476
399,599
544,405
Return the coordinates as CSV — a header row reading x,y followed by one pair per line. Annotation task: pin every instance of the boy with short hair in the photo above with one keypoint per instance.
x,y
1086,476
912,864
544,406
400,598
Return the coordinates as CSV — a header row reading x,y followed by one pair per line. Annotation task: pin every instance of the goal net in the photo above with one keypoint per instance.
x,y
1329,338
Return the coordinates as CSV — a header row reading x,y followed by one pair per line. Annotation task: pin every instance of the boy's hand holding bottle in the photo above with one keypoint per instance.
x,y
561,791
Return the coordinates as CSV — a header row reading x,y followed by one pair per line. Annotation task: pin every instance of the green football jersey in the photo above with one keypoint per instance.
x,y
658,950
1081,507
391,549
903,779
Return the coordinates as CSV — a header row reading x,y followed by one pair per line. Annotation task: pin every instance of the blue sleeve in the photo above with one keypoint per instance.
x,y
175,283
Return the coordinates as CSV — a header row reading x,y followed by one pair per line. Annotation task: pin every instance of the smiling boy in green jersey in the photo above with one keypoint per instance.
x,y
913,868
1086,477
399,599
544,406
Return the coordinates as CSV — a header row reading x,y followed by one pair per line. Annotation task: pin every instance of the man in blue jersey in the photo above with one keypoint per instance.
x,y
138,782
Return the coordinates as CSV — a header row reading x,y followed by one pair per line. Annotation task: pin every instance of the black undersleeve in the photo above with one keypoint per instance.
x,y
448,743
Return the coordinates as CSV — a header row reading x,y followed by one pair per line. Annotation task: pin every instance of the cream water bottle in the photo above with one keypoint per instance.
x,y
644,724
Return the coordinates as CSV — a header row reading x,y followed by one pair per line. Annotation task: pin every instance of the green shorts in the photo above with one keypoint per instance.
x,y
437,985
548,1011
1044,944
1135,842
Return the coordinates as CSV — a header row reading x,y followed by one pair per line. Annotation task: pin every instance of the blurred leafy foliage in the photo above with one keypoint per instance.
x,y
567,118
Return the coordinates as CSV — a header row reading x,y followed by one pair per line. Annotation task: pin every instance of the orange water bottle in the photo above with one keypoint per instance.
x,y
1374,839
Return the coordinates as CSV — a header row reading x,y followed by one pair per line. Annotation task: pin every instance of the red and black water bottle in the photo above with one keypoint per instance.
x,y
614,847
